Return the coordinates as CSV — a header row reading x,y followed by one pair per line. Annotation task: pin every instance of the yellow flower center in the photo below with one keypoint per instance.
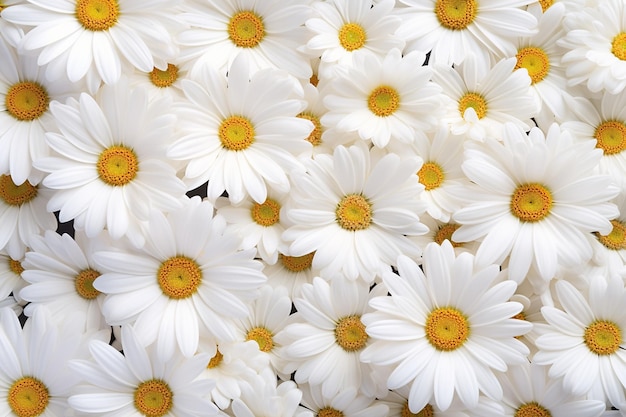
x,y
266,214
26,101
532,409
84,284
611,137
618,46
536,62
263,337
447,328
520,316
603,337
352,36
427,411
445,232
216,360
246,29
179,277
315,137
28,397
97,15
383,101
314,80
531,202
297,263
16,195
117,165
329,412
350,334
455,14
616,240
16,267
475,101
153,398
236,133
431,175
354,213
545,4
165,78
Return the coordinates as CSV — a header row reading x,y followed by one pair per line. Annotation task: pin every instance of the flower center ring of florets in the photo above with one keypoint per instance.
x,y
383,101
611,137
352,36
266,214
236,133
455,14
445,232
246,29
427,411
297,263
545,4
216,360
179,277
354,213
16,195
329,412
315,137
26,101
262,337
28,397
16,267
97,15
536,62
618,46
603,337
616,240
153,398
532,409
117,165
447,328
431,175
531,202
350,333
476,102
164,78
83,284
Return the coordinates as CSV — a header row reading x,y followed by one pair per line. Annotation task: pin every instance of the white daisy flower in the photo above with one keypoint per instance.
x,y
440,232
347,403
269,33
529,391
139,383
355,216
161,82
109,169
596,44
96,39
384,98
480,98
323,342
189,278
610,249
241,134
452,28
291,272
10,275
344,29
445,330
529,204
586,343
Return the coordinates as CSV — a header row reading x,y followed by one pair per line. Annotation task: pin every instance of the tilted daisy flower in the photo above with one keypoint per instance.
x,y
347,403
585,345
439,232
96,39
445,330
291,272
189,278
481,98
344,29
610,249
109,169
139,383
530,391
241,134
384,98
527,198
452,28
596,44
268,33
10,275
161,82
354,215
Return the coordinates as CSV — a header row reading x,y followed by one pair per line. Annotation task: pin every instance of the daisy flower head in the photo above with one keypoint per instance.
x,y
95,40
449,29
109,168
344,29
269,33
596,47
162,82
139,383
585,345
610,249
530,205
440,232
189,278
384,98
445,330
291,272
480,98
347,403
242,134
354,215
11,280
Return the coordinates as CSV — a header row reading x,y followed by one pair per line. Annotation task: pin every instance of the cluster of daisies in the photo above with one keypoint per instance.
x,y
313,208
